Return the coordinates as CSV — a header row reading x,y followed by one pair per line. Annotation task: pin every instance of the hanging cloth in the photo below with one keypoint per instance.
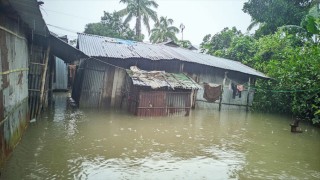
x,y
239,89
234,90
212,92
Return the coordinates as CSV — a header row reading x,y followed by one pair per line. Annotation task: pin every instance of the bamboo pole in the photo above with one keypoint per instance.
x,y
43,80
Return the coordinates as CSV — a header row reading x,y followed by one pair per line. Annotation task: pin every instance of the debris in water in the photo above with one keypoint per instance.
x,y
33,120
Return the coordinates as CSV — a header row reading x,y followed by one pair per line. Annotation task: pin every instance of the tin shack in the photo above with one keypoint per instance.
x,y
158,93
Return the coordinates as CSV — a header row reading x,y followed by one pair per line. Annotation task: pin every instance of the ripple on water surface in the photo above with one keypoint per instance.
x,y
86,144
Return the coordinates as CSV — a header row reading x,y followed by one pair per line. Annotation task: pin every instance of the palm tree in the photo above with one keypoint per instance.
x,y
164,31
139,9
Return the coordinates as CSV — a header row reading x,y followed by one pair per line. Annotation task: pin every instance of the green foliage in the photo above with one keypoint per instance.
x,y
241,48
141,9
220,41
111,26
286,48
276,13
295,87
290,58
164,31
184,43
312,21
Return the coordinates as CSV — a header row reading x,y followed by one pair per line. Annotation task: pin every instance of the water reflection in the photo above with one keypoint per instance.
x,y
85,144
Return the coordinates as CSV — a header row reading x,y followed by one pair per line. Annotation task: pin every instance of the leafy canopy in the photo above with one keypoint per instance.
x,y
111,25
271,14
142,10
164,31
220,41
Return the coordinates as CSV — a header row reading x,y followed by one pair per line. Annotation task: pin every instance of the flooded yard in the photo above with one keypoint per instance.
x,y
90,144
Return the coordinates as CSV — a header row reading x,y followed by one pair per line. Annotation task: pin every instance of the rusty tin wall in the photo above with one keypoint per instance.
x,y
13,85
163,103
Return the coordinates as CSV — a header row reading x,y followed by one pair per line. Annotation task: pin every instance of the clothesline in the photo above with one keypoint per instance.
x,y
246,86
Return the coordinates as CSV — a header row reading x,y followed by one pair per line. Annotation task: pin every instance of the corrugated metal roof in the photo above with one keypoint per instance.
x,y
30,13
99,46
63,50
159,79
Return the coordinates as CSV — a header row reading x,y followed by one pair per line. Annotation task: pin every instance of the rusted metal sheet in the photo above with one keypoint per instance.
x,y
178,103
160,79
152,103
13,86
99,46
163,103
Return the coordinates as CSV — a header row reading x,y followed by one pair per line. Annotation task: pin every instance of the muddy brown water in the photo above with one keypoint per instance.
x,y
91,144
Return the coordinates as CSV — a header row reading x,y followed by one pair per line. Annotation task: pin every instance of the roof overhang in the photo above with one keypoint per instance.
x,y
65,51
29,12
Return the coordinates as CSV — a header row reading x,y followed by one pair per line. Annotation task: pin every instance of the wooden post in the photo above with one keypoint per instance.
x,y
43,81
224,81
249,83
220,100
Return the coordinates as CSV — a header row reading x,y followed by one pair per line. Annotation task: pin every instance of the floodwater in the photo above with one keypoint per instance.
x,y
87,144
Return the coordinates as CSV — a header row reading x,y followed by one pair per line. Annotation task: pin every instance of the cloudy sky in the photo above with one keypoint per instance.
x,y
200,17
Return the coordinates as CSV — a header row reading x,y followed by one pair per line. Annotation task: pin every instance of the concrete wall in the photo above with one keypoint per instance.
x,y
13,85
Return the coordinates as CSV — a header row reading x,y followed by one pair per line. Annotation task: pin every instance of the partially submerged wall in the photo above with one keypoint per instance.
x,y
60,81
229,101
13,85
101,84
98,85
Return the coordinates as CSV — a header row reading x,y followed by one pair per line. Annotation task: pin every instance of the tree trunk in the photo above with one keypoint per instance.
x,y
138,21
138,26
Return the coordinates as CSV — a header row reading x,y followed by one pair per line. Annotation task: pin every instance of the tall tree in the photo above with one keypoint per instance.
x,y
220,41
271,14
111,25
141,9
164,31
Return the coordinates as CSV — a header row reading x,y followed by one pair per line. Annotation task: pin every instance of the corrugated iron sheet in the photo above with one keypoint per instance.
x,y
99,46
163,103
13,90
92,85
61,75
159,79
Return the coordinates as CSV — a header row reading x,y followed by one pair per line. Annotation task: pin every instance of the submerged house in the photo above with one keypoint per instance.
x,y
100,80
157,93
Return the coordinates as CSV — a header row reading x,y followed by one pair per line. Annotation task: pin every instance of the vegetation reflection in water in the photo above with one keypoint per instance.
x,y
86,144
